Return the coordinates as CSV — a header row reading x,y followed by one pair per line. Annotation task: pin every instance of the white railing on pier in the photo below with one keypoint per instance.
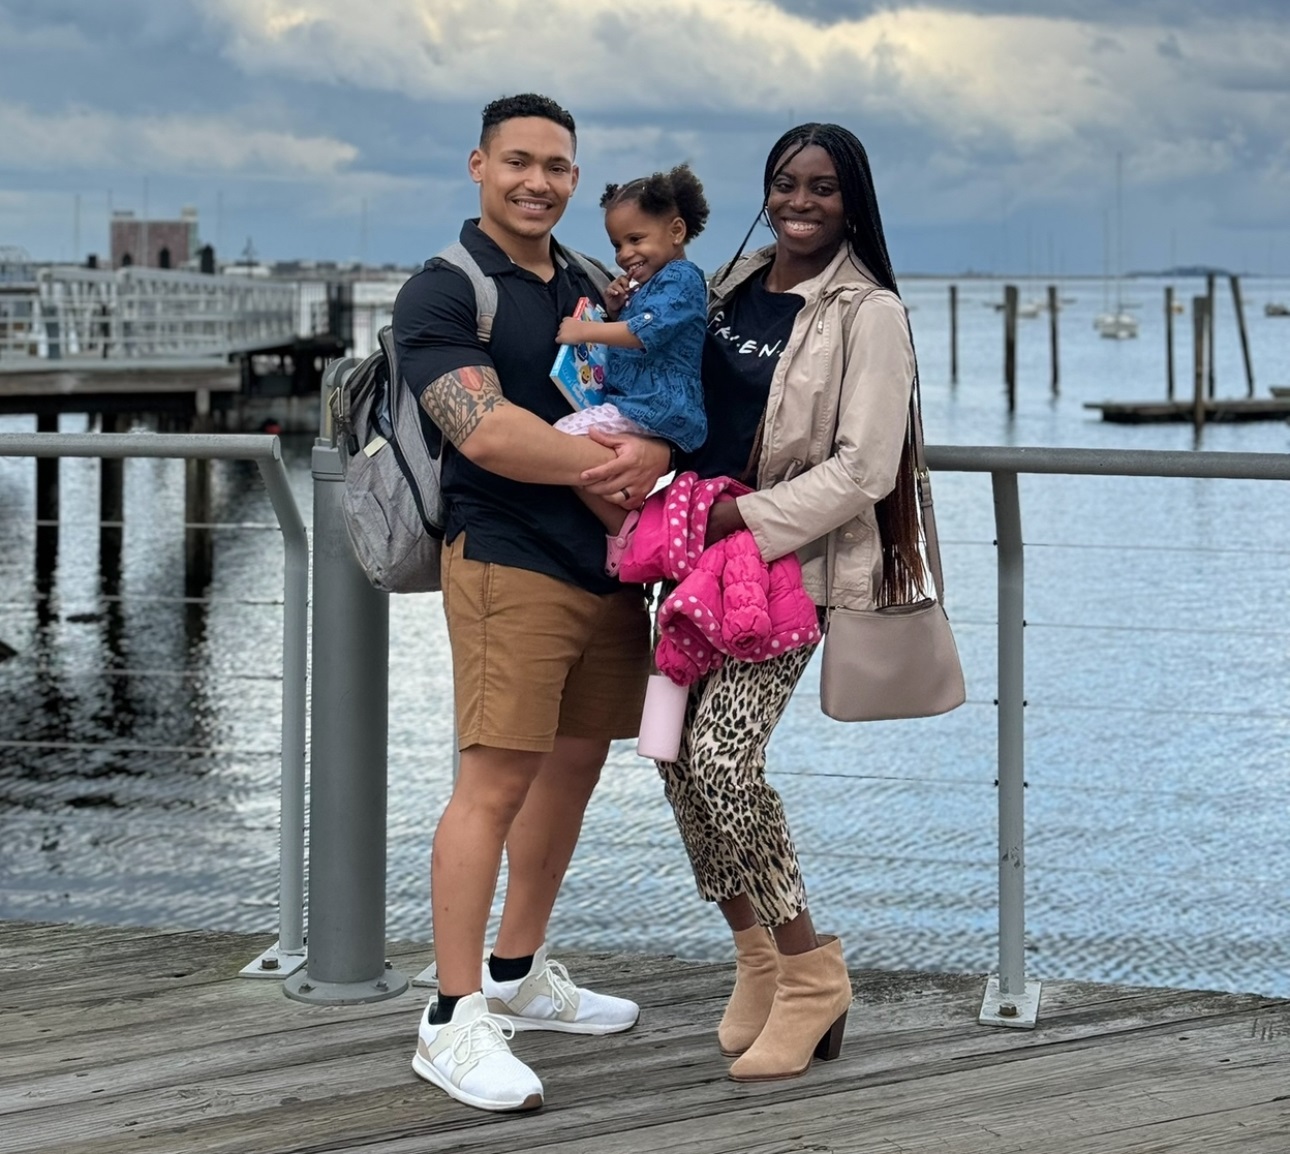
x,y
134,313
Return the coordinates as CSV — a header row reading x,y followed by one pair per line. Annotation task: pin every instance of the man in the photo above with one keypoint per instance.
x,y
550,655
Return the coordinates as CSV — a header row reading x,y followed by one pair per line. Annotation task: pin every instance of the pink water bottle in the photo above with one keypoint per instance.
x,y
662,719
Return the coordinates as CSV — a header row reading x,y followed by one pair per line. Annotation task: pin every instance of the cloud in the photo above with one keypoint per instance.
x,y
1015,83
317,112
89,138
1121,12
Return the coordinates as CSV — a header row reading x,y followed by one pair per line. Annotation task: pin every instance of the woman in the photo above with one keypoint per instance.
x,y
808,368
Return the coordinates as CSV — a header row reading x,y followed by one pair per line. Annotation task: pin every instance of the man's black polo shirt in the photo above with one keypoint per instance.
x,y
543,528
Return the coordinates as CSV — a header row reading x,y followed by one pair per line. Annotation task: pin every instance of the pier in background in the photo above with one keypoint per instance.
x,y
171,350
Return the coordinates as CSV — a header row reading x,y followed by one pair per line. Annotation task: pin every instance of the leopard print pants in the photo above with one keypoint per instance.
x,y
731,819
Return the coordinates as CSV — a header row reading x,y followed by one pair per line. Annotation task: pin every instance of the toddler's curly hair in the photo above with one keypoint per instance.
x,y
675,193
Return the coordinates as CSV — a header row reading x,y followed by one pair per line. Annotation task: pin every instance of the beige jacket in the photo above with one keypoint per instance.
x,y
811,482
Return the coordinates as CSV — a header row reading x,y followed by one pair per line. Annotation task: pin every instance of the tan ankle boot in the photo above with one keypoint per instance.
x,y
809,1013
756,970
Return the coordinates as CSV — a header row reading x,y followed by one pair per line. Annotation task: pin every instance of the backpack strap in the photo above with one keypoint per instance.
x,y
457,255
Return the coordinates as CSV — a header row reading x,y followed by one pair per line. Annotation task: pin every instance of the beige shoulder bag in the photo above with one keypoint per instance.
x,y
901,660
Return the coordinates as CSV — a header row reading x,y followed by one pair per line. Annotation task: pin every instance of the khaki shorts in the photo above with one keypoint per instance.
x,y
534,657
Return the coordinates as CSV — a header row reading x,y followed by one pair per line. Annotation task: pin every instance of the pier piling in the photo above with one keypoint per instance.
x,y
199,550
46,510
1010,344
1169,342
1209,332
1245,340
1200,328
1054,305
954,334
111,506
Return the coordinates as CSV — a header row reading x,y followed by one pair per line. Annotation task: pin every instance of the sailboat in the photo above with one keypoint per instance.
x,y
1118,324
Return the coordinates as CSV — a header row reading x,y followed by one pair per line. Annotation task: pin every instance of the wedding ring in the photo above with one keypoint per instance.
x,y
627,494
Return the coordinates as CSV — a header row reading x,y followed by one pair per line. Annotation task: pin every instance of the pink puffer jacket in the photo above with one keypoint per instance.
x,y
728,601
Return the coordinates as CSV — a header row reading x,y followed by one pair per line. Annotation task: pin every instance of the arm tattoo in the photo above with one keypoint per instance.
x,y
459,400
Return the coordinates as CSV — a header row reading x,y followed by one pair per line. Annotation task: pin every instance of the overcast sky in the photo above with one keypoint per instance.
x,y
339,129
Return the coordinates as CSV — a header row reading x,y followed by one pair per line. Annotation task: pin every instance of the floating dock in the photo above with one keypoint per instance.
x,y
1273,408
115,1040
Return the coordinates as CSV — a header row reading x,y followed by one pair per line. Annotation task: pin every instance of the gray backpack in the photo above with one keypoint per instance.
x,y
393,504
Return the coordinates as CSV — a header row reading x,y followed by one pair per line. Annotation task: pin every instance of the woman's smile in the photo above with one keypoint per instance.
x,y
805,207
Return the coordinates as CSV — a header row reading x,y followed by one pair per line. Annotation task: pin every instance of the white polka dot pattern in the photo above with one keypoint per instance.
x,y
728,602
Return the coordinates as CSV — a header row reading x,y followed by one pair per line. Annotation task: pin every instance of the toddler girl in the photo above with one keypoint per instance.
x,y
658,311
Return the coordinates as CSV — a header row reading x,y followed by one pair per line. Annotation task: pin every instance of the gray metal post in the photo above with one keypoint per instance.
x,y
1009,999
290,951
347,781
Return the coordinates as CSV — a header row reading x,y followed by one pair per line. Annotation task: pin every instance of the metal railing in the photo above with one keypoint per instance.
x,y
1010,999
346,966
288,953
142,312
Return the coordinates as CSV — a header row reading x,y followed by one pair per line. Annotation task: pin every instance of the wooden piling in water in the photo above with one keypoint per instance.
x,y
1054,304
1245,340
1169,341
954,334
1209,328
1010,344
46,508
198,545
111,504
47,474
1200,329
112,475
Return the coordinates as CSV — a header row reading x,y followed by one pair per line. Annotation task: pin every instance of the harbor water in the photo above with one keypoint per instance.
x,y
139,730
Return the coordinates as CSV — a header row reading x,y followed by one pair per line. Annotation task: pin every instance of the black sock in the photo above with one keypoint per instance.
x,y
509,969
441,1011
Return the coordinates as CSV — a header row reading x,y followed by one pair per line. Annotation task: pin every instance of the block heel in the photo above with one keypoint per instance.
x,y
807,1017
830,1046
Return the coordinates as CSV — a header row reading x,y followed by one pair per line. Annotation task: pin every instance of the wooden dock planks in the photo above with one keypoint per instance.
x,y
116,1040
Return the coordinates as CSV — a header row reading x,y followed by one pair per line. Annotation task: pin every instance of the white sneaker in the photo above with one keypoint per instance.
x,y
547,999
469,1058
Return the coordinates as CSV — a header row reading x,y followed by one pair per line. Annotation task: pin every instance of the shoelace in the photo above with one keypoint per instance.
x,y
563,991
482,1036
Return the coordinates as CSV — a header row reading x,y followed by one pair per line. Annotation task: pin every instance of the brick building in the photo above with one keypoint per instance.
x,y
153,243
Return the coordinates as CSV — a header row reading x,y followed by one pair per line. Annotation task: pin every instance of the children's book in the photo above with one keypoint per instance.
x,y
579,370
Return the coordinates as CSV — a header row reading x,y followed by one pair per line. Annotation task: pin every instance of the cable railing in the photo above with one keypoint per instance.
x,y
288,953
1010,997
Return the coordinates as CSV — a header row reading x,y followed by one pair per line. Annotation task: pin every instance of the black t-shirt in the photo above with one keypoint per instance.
x,y
542,528
744,342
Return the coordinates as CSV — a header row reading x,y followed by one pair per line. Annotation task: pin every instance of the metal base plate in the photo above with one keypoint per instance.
x,y
301,988
1019,1011
273,963
428,977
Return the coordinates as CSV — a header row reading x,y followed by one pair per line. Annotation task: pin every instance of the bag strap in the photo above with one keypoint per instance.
x,y
923,483
922,478
458,255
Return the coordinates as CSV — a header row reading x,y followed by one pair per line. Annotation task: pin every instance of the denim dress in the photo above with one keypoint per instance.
x,y
659,386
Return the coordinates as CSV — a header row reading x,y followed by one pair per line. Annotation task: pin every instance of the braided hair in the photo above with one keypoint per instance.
x,y
664,194
855,181
903,572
